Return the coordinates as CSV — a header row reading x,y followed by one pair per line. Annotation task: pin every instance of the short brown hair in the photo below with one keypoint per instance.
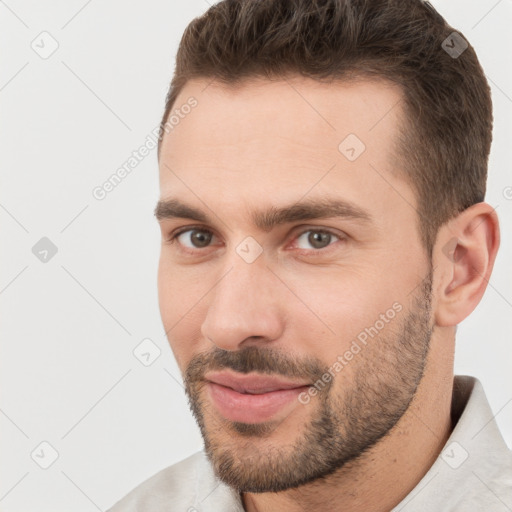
x,y
445,140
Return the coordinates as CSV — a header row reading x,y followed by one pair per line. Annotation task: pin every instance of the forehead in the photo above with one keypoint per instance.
x,y
282,139
369,108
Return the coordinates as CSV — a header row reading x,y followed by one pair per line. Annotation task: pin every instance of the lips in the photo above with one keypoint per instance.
x,y
252,398
252,384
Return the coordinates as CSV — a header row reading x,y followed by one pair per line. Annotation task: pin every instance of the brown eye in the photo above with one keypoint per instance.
x,y
316,239
194,238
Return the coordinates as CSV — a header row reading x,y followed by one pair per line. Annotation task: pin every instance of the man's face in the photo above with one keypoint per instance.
x,y
264,296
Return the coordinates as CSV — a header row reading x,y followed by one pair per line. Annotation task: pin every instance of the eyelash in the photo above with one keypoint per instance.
x,y
172,238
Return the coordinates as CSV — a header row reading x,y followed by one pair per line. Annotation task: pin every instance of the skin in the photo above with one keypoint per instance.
x,y
273,143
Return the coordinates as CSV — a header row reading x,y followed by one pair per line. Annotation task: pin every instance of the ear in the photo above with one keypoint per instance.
x,y
464,255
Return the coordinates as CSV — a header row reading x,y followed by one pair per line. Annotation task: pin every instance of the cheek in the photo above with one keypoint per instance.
x,y
166,295
182,310
339,305
177,292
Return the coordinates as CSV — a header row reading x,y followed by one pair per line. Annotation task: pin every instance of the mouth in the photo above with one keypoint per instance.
x,y
252,398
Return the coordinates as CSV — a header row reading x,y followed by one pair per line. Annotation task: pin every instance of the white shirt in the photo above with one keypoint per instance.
x,y
472,473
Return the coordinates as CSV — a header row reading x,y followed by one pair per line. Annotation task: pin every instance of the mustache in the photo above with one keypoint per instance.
x,y
254,359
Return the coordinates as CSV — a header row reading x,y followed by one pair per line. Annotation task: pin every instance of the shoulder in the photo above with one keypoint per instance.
x,y
175,485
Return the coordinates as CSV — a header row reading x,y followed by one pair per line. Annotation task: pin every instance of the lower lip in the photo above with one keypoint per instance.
x,y
246,408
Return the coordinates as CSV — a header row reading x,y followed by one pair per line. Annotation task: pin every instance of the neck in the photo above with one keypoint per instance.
x,y
384,475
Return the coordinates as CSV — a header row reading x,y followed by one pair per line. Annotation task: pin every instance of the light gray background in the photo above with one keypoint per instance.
x,y
69,326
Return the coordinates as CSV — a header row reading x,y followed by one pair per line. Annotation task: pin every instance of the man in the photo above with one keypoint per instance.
x,y
322,174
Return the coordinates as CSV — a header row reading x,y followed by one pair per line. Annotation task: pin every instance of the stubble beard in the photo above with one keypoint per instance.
x,y
343,425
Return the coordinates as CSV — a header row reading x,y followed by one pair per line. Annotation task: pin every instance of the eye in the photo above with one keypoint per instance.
x,y
193,238
316,238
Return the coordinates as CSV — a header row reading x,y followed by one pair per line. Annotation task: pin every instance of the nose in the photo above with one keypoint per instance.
x,y
246,306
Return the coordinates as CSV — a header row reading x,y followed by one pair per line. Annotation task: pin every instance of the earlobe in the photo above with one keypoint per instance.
x,y
464,253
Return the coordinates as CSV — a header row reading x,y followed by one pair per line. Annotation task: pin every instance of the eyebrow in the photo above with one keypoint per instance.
x,y
266,220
